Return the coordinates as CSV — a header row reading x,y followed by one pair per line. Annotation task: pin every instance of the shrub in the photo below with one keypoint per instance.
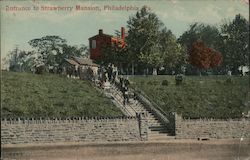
x,y
218,81
178,79
142,82
229,81
165,82
152,83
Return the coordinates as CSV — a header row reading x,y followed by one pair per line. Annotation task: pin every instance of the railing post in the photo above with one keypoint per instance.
x,y
143,125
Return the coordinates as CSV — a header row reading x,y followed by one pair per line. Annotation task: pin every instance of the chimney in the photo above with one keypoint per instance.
x,y
123,33
100,31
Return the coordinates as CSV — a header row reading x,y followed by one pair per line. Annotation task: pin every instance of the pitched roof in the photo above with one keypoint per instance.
x,y
71,61
85,61
106,35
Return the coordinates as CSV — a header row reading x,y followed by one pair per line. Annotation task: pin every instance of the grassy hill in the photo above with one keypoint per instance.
x,y
29,95
208,96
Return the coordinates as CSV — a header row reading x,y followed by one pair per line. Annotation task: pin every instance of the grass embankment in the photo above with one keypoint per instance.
x,y
210,96
29,95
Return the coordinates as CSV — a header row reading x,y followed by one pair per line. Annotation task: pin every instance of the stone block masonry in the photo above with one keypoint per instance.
x,y
211,128
70,130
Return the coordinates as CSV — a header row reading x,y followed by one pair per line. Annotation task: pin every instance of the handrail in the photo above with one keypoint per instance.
x,y
152,105
145,100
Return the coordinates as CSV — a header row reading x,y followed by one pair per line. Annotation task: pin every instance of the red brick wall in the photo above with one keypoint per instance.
x,y
101,40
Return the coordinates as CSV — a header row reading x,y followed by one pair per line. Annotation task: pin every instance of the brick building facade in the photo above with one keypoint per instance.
x,y
100,40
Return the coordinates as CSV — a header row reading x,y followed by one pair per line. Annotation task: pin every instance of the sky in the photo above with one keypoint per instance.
x,y
24,20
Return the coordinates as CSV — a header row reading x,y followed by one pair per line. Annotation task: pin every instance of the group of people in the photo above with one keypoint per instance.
x,y
78,72
107,75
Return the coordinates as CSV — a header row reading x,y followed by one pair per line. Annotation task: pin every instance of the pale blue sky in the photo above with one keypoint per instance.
x,y
18,27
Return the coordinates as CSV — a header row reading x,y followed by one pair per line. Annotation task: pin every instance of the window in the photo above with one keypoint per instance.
x,y
93,44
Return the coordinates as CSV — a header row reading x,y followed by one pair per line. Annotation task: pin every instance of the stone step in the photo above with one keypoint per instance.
x,y
157,128
141,110
154,124
165,132
152,118
154,121
157,134
138,106
161,138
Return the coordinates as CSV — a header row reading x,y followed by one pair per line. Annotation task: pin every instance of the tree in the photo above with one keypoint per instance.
x,y
236,43
172,54
14,60
203,57
69,51
215,59
199,55
143,38
52,50
19,60
208,34
49,49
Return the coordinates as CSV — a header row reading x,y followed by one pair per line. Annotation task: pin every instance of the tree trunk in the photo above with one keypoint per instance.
x,y
133,68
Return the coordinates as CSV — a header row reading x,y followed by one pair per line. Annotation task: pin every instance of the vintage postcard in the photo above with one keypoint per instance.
x,y
125,79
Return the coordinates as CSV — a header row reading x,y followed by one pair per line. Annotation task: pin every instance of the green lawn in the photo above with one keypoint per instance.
x,y
29,95
207,96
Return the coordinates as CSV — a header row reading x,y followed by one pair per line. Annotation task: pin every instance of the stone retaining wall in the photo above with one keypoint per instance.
x,y
71,130
211,128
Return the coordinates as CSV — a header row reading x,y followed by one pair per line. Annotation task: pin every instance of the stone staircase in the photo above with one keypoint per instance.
x,y
157,130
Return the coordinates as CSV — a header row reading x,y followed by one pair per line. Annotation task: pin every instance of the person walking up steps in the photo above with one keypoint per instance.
x,y
125,96
125,90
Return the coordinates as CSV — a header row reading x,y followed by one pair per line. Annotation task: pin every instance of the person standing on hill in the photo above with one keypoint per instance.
x,y
126,82
125,90
125,96
109,71
114,74
121,83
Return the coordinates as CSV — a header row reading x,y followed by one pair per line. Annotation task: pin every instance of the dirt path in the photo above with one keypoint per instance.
x,y
172,150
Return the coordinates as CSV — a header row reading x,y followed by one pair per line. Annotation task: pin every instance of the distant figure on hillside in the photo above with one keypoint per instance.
x,y
121,83
125,96
103,79
126,82
106,86
114,74
125,89
39,69
69,71
110,72
51,69
90,74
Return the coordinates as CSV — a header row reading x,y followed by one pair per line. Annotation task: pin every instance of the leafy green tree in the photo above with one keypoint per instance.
x,y
236,43
14,60
143,38
20,61
49,49
69,51
172,54
208,34
52,50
